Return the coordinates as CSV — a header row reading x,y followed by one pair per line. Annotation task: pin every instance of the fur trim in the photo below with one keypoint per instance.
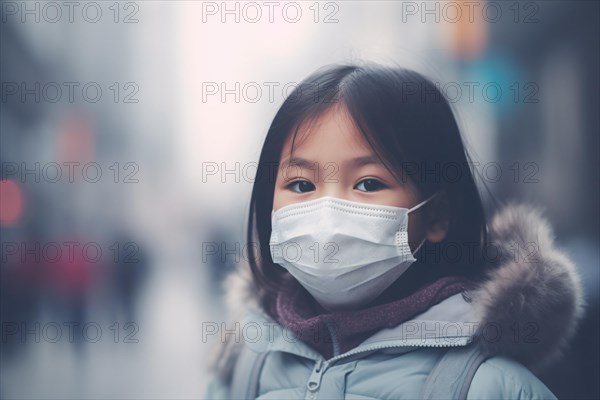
x,y
240,295
528,306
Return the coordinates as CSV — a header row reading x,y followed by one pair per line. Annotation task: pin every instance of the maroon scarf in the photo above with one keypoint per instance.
x,y
298,311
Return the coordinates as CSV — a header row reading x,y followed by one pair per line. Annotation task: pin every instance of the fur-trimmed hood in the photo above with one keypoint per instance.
x,y
532,295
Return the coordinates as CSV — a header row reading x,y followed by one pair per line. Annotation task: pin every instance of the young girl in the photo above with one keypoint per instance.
x,y
370,257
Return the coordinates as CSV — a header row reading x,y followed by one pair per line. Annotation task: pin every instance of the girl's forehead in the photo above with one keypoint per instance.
x,y
333,132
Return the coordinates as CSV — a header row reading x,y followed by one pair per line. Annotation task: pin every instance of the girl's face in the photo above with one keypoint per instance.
x,y
332,158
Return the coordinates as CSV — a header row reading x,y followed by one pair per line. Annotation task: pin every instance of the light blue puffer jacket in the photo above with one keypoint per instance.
x,y
524,315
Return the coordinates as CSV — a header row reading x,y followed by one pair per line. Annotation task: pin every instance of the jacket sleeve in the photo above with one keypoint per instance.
x,y
216,389
501,377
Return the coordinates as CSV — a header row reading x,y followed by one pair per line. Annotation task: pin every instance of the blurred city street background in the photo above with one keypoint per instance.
x,y
129,135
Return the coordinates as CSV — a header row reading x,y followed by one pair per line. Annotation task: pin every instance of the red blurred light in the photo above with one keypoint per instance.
x,y
11,203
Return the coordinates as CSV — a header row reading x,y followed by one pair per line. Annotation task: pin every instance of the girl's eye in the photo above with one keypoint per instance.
x,y
370,185
301,186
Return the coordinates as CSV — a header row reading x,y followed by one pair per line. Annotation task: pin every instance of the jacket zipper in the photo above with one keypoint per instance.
x,y
385,346
332,330
314,381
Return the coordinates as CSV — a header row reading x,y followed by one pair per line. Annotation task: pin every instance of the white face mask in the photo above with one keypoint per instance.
x,y
344,253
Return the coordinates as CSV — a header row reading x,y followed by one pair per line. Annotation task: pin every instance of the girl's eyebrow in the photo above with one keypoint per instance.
x,y
365,160
307,164
299,162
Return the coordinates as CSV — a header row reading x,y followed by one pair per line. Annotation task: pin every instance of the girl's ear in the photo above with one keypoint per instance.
x,y
438,218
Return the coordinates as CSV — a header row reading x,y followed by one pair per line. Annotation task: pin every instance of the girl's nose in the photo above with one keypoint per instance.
x,y
334,189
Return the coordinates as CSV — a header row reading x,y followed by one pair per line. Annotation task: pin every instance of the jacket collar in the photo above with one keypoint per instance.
x,y
335,332
448,323
528,307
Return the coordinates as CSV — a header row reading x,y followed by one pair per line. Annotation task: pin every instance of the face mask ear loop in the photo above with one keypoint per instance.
x,y
422,203
419,247
416,208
